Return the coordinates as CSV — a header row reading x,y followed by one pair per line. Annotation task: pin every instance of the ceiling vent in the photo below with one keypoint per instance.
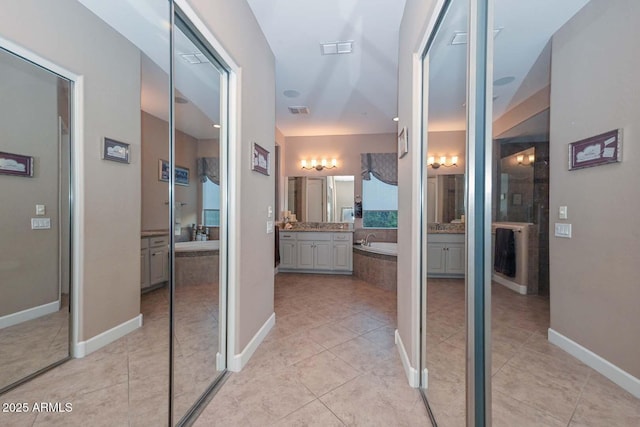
x,y
462,37
299,110
336,48
195,58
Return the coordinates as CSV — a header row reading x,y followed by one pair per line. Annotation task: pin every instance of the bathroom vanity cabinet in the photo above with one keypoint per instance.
x,y
154,261
445,255
316,252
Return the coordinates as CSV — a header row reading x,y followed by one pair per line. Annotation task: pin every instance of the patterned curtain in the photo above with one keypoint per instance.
x,y
384,166
209,168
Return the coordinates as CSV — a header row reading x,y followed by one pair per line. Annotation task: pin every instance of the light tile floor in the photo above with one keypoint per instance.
x,y
330,360
29,346
534,382
126,382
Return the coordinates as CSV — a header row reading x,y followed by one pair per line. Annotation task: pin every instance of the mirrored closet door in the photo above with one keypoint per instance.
x,y
34,220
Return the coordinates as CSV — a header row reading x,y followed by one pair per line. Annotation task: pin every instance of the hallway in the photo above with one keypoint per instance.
x,y
330,360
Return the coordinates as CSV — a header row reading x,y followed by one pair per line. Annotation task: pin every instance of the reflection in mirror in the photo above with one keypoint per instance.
x,y
196,323
321,199
34,183
443,333
446,198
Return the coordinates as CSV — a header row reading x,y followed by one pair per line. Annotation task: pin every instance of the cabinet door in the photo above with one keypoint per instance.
x,y
288,254
144,268
157,265
323,258
165,265
342,256
436,258
305,255
455,258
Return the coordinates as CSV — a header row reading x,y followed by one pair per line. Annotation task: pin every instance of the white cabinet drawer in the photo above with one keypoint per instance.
x,y
313,235
144,243
158,241
287,236
342,237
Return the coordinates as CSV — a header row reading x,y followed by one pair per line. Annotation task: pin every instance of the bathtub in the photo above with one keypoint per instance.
x,y
207,245
384,248
197,262
377,264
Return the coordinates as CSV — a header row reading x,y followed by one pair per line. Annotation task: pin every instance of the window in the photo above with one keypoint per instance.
x,y
210,204
379,204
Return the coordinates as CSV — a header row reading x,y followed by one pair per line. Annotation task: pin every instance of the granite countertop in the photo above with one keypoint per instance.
x,y
327,230
451,231
154,233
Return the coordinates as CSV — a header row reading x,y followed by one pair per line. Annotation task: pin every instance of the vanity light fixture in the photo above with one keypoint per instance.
x,y
431,161
530,157
318,166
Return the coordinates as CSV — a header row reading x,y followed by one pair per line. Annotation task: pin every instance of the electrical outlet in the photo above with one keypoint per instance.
x,y
562,212
40,210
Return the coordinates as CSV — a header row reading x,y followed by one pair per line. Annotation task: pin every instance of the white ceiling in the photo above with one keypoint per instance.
x,y
521,52
346,94
145,23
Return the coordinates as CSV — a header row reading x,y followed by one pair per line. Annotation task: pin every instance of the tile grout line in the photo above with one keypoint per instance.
x,y
584,386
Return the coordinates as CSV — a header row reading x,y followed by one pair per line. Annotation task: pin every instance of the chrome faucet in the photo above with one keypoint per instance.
x,y
366,239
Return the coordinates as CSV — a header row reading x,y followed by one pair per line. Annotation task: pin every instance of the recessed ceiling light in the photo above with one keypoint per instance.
x,y
395,119
503,81
291,93
181,100
217,126
335,48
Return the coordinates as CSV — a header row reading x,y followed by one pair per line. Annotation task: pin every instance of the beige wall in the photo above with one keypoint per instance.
x,y
345,148
594,275
155,193
111,67
412,29
233,24
28,258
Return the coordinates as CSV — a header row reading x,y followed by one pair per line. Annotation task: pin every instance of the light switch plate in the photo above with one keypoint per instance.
x,y
40,210
40,223
269,227
562,212
563,230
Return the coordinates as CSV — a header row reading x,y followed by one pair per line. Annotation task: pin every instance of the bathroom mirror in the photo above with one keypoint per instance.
x,y
445,198
321,199
34,254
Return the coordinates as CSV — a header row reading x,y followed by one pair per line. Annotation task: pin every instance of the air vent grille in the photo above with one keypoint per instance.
x,y
299,110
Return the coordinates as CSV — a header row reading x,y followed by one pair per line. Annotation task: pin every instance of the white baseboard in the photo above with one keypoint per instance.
x,y
84,348
589,358
412,374
238,361
521,289
29,314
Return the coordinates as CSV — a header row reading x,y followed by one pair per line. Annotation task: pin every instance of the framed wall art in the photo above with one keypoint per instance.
x,y
115,151
596,151
16,164
181,173
260,160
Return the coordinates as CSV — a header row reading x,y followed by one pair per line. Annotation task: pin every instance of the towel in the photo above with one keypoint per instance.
x,y
505,252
